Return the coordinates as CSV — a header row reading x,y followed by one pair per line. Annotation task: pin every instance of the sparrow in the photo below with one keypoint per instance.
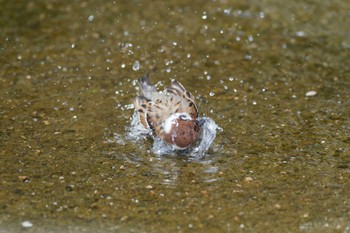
x,y
171,114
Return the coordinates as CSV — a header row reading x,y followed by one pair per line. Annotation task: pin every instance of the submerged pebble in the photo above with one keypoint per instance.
x,y
26,224
310,93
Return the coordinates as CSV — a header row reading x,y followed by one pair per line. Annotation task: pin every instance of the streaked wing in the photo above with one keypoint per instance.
x,y
141,106
187,100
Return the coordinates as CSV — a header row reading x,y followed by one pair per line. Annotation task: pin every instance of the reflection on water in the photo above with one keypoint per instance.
x,y
166,167
168,171
210,174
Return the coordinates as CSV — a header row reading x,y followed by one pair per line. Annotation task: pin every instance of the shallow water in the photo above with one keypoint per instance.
x,y
274,76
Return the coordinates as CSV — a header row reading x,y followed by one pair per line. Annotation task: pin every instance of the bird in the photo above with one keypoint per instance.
x,y
170,115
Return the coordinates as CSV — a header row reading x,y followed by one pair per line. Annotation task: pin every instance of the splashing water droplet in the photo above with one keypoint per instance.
x,y
262,15
136,65
91,18
300,33
250,38
248,57
227,11
129,106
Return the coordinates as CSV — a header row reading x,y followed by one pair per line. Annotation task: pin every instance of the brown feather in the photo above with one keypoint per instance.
x,y
154,108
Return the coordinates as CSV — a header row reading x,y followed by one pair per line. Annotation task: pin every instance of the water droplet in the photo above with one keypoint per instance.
x,y
129,106
248,57
128,45
122,65
262,15
136,65
211,93
250,38
90,18
227,11
300,33
169,62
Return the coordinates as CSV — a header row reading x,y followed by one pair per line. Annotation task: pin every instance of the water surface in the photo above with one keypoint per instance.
x,y
274,76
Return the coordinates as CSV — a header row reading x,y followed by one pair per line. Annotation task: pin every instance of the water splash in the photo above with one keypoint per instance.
x,y
91,18
136,131
208,135
136,66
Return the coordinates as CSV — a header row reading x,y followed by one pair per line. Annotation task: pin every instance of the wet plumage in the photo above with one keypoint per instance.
x,y
171,114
